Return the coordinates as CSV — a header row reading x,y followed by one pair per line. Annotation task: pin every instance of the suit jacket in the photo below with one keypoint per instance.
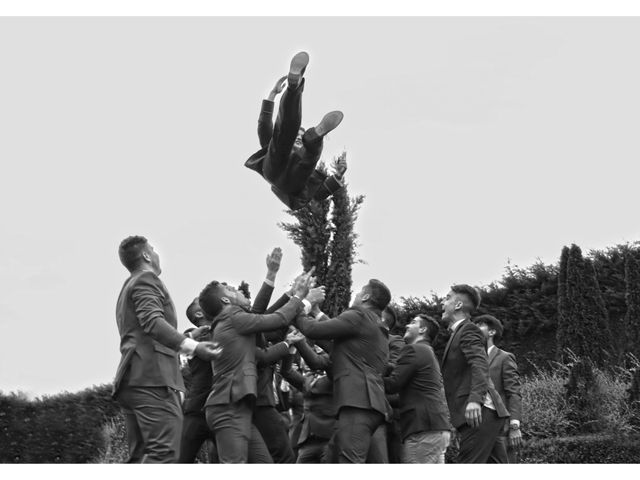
x,y
358,358
422,404
465,371
318,187
235,329
319,410
504,374
149,341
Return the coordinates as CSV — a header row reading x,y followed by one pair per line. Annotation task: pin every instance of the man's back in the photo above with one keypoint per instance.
x,y
506,379
146,320
359,361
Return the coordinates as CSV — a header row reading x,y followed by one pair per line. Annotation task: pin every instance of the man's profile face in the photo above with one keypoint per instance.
x,y
358,299
388,319
297,144
155,259
449,305
236,297
484,328
413,330
199,317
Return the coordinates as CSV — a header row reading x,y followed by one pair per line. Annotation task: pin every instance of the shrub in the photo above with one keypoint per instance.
x,y
597,448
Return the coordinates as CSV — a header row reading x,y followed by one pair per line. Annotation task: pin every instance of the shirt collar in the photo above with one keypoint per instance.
x,y
456,324
490,349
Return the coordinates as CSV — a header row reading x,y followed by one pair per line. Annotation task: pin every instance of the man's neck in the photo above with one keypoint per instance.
x,y
419,339
145,267
489,343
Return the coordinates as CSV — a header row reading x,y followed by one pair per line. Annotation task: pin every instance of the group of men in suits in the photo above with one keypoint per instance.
x,y
236,348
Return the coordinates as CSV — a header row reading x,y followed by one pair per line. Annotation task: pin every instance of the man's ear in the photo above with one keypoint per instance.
x,y
492,332
225,300
146,257
365,297
458,306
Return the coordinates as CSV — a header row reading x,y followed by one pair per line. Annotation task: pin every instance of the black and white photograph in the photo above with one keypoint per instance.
x,y
289,238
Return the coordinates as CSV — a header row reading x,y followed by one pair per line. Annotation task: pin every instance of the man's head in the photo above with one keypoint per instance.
x,y
135,253
297,144
421,327
461,301
196,315
215,296
490,326
389,317
375,293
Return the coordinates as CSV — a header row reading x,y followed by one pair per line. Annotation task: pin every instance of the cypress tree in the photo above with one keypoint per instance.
x,y
632,297
324,231
563,304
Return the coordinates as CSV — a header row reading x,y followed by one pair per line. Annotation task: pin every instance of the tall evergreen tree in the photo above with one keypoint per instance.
x,y
632,296
586,330
324,231
563,304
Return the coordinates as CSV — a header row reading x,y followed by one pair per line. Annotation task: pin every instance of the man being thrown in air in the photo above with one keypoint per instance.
x,y
289,153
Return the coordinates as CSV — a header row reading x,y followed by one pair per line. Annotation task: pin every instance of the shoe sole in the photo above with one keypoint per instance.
x,y
329,122
298,65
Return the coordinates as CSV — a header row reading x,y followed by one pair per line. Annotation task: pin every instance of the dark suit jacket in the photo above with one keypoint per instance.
x,y
504,374
358,358
465,371
318,187
234,372
149,341
422,403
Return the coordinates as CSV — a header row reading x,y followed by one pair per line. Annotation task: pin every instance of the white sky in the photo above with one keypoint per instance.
x,y
475,140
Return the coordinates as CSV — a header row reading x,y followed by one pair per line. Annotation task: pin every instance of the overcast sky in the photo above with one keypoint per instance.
x,y
475,140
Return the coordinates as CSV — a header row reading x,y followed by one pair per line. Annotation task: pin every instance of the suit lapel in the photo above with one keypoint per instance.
x,y
493,354
446,349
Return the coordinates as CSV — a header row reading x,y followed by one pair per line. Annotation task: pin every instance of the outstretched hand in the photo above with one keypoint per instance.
x,y
302,282
316,295
279,86
340,165
208,351
274,259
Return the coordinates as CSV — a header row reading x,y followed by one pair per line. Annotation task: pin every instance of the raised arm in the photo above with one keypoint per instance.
x,y
265,120
266,290
344,325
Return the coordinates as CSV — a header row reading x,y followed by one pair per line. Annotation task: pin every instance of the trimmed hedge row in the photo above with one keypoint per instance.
x,y
63,428
583,449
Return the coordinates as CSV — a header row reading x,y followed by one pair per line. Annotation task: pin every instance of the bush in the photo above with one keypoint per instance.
x,y
583,449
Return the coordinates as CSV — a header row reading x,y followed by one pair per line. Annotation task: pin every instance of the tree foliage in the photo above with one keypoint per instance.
x,y
324,231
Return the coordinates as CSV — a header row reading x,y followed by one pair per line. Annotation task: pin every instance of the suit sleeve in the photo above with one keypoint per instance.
x,y
279,303
262,299
314,360
473,348
148,301
405,369
344,325
247,323
330,185
511,385
269,355
290,375
265,123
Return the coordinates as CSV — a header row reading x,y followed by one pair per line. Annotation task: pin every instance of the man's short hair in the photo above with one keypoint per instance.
x,y
210,299
130,251
433,327
191,311
472,297
493,323
379,294
392,313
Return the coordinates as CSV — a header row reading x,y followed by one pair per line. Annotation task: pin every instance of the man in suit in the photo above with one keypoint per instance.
x,y
229,407
289,154
358,357
424,416
396,344
194,429
477,411
148,381
503,371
